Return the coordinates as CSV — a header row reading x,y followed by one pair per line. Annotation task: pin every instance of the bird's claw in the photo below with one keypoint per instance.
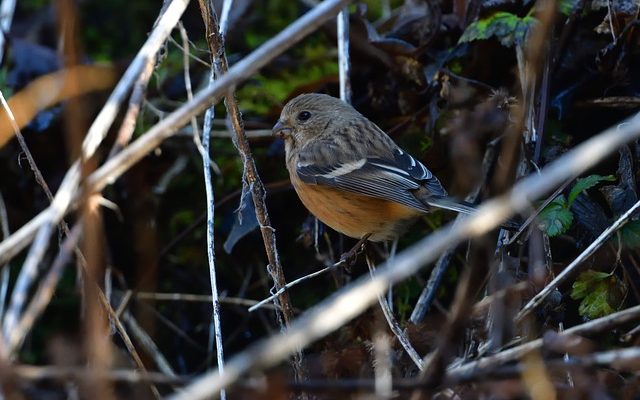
x,y
350,257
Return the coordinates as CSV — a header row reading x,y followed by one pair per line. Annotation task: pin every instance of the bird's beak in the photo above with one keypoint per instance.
x,y
281,130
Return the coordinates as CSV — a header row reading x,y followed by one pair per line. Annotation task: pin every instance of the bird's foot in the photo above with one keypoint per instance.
x,y
349,258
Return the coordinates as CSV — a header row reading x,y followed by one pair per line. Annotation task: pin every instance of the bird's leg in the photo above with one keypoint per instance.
x,y
350,257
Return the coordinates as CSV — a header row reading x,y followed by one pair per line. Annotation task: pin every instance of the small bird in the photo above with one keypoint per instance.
x,y
351,175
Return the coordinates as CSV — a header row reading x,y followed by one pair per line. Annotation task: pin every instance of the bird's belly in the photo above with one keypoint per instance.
x,y
356,215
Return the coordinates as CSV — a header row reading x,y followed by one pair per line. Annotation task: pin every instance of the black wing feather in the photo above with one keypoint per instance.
x,y
390,179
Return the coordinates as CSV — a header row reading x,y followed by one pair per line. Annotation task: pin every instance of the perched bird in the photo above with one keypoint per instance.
x,y
350,174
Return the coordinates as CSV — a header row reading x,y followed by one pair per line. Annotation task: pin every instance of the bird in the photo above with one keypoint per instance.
x,y
351,175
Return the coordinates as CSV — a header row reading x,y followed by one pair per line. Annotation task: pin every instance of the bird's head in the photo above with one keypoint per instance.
x,y
310,115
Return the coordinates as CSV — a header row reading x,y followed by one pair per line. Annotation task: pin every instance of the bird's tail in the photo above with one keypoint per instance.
x,y
464,207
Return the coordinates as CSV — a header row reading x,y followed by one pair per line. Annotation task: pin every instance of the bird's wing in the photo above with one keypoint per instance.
x,y
397,177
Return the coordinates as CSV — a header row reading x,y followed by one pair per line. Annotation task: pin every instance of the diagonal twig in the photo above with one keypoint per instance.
x,y
571,268
353,299
394,326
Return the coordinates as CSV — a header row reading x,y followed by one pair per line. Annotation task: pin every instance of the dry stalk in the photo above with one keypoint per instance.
x,y
353,299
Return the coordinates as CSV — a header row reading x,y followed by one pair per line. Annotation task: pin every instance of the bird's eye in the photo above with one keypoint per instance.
x,y
304,115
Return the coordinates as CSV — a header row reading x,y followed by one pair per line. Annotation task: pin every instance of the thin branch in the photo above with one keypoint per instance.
x,y
394,326
251,180
7,8
239,72
431,288
429,292
38,249
34,373
135,102
23,236
158,36
148,344
588,328
293,283
4,278
382,365
620,359
353,299
207,11
44,293
571,268
224,16
25,149
344,65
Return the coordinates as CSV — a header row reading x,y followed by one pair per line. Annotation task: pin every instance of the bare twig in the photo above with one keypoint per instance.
x,y
252,181
224,16
23,145
66,193
588,328
429,292
621,359
161,31
39,247
168,126
147,343
7,8
21,238
382,365
344,65
30,372
351,300
135,102
458,317
571,268
394,326
44,293
208,12
293,283
4,278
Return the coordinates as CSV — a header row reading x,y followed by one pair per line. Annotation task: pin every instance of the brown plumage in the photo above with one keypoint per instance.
x,y
350,174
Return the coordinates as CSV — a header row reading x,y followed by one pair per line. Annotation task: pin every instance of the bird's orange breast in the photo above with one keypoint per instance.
x,y
353,214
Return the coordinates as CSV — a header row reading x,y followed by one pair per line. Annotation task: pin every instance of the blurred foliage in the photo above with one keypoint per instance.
x,y
266,91
508,28
630,234
567,6
599,293
556,218
7,91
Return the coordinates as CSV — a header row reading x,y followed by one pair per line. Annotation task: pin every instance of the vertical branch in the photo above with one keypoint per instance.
x,y
224,16
96,341
206,9
7,9
251,180
344,65
4,275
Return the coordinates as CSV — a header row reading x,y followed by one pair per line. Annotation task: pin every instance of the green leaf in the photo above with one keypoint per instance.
x,y
588,182
630,233
600,293
583,285
556,218
566,6
508,28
